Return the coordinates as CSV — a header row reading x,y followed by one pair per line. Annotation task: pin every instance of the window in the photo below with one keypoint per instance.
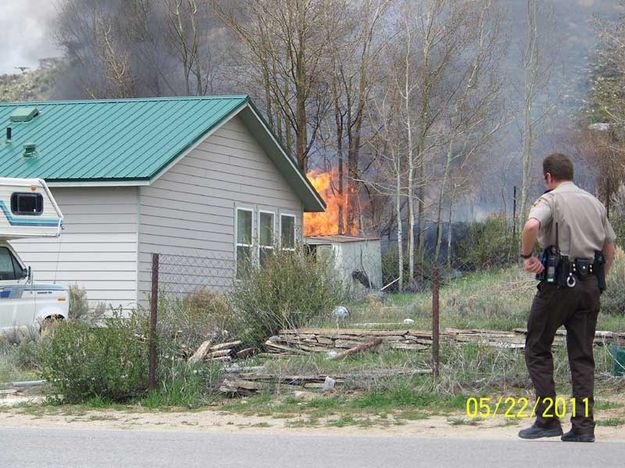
x,y
244,241
10,269
266,222
24,203
287,232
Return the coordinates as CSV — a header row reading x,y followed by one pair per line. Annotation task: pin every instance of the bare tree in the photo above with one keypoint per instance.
x,y
536,76
288,40
473,119
388,144
129,48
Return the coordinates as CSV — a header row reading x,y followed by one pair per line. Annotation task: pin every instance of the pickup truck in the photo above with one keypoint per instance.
x,y
27,210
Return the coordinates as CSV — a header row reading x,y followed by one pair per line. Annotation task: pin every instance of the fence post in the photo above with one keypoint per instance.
x,y
435,321
153,318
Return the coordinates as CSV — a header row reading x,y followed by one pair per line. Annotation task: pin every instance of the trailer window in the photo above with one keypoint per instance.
x,y
24,203
9,266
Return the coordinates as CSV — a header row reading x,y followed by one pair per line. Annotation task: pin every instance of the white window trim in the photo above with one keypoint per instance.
x,y
269,247
289,215
236,235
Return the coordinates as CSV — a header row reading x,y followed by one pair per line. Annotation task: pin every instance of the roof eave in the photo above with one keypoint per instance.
x,y
311,200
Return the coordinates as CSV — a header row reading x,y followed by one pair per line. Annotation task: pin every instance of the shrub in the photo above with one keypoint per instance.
x,y
82,362
613,299
79,306
290,290
485,245
18,353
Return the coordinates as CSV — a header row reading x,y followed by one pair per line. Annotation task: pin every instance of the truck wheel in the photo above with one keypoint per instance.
x,y
49,323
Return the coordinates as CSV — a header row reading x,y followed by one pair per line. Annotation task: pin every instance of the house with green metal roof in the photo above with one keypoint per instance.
x,y
200,180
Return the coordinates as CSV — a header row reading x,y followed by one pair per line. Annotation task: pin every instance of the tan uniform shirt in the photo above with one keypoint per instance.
x,y
583,226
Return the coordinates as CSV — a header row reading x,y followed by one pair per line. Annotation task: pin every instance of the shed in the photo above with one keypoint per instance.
x,y
357,259
193,178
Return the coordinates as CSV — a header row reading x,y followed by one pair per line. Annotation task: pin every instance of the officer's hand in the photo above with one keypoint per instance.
x,y
533,265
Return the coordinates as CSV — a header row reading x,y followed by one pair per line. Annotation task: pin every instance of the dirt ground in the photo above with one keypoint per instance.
x,y
214,420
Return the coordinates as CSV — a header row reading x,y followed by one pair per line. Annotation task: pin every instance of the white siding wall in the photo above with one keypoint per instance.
x,y
190,210
97,249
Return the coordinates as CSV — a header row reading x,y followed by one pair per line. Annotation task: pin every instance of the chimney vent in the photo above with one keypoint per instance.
x,y
9,134
30,150
24,114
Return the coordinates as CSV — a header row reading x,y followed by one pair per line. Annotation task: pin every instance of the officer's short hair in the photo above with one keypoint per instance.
x,y
559,166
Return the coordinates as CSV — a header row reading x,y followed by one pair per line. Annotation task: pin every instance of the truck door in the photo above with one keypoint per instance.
x,y
17,306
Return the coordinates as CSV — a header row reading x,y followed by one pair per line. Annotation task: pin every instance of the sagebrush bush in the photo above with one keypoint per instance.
x,y
81,361
18,353
291,290
79,306
613,298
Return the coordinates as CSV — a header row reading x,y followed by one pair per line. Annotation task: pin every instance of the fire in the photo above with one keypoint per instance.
x,y
327,223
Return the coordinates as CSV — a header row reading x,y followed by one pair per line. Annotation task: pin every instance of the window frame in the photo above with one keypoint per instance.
x,y
236,238
15,203
273,232
289,215
18,268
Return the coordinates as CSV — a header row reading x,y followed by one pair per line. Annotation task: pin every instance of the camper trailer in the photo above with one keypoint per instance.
x,y
28,211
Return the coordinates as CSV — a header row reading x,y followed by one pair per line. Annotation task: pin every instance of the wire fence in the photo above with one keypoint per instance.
x,y
181,275
496,298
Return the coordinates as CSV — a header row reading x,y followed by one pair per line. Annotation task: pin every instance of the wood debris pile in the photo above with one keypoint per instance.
x,y
290,343
307,340
339,343
241,382
224,352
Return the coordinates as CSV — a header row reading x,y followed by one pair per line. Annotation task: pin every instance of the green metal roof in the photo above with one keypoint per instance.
x,y
126,139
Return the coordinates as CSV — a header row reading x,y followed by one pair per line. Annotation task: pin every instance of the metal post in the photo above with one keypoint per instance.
x,y
435,321
514,213
152,330
514,246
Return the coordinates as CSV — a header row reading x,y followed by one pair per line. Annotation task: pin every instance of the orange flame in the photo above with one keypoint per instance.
x,y
327,223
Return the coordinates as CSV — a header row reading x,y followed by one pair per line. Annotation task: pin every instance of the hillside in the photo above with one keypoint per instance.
x,y
31,85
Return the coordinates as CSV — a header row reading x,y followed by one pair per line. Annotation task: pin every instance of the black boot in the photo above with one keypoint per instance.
x,y
573,436
538,432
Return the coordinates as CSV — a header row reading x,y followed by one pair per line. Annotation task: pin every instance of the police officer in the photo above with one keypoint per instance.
x,y
573,222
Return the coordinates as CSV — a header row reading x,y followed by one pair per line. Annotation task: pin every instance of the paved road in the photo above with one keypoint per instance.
x,y
106,448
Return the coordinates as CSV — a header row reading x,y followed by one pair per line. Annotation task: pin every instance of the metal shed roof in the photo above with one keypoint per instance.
x,y
128,141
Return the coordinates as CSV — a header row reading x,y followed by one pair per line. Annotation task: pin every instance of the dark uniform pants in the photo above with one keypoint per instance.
x,y
577,309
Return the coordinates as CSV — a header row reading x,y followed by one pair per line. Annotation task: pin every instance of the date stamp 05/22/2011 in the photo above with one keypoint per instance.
x,y
510,407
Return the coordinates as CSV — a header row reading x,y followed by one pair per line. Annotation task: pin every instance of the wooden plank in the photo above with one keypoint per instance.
x,y
230,344
358,349
409,347
200,353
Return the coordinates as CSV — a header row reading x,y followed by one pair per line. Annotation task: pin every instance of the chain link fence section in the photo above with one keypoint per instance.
x,y
181,275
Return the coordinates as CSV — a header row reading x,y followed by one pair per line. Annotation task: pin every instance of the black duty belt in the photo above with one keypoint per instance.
x,y
582,267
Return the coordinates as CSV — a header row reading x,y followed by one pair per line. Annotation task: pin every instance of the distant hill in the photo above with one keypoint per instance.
x,y
31,85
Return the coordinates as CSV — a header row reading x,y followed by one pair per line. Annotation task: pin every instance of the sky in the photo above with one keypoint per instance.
x,y
25,35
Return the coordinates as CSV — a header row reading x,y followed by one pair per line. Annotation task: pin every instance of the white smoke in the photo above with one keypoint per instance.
x,y
25,35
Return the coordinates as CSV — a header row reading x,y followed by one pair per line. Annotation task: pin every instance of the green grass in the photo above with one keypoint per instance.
x,y
406,398
498,299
